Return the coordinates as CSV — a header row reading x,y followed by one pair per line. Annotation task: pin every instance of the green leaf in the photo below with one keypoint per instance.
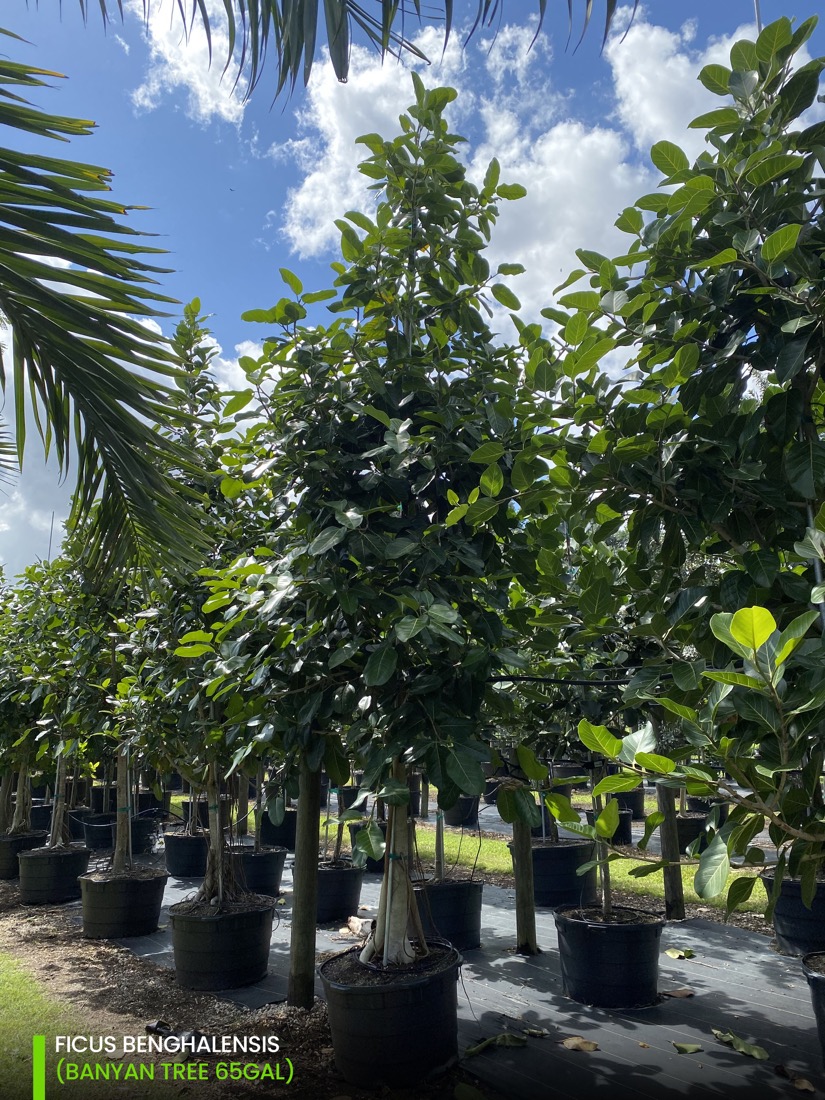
x,y
276,810
336,761
773,167
465,771
486,453
511,191
752,626
370,841
740,1045
377,414
607,822
326,540
805,467
652,823
530,764
560,807
780,243
612,783
492,481
772,39
193,650
599,739
714,868
735,679
669,158
504,296
653,762
716,78
291,280
739,892
381,666
687,1048
793,635
518,804
791,359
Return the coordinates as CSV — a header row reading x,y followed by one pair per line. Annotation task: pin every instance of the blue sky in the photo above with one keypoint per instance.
x,y
238,190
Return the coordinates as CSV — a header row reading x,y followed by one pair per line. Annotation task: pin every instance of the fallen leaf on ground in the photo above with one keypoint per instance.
x,y
645,1045
355,925
680,953
506,1039
751,1049
578,1042
798,1082
683,991
463,1091
687,1048
536,1032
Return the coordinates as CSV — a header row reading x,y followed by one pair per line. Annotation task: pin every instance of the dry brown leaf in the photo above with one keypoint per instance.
x,y
803,1084
645,1045
578,1042
536,1032
683,991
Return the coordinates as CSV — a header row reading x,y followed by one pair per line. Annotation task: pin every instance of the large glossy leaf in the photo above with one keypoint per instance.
x,y
599,739
714,868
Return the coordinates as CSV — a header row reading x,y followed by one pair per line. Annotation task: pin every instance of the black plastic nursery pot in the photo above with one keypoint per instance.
x,y
12,846
283,835
555,877
122,906
258,872
41,816
202,810
372,1024
464,814
222,950
98,831
688,828
813,967
103,798
339,891
633,801
144,830
76,818
185,855
705,805
49,875
451,911
799,930
609,964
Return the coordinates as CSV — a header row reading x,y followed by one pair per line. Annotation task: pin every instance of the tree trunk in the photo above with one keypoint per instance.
x,y
525,904
438,871
301,987
123,829
425,796
56,838
22,820
242,802
259,807
6,810
212,888
669,837
396,905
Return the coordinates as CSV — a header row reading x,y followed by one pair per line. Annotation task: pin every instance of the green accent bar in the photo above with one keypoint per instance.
x,y
38,1067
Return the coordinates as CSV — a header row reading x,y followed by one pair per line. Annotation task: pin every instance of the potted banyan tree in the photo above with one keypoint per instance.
x,y
390,580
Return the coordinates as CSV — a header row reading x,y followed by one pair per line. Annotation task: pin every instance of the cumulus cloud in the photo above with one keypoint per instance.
x,y
179,61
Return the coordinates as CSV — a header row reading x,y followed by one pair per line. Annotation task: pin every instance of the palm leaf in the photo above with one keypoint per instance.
x,y
76,290
289,29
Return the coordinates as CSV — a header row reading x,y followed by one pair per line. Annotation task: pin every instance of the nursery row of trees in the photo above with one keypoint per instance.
x,y
405,512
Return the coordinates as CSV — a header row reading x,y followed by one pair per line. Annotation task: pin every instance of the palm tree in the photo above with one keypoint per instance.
x,y
289,29
87,364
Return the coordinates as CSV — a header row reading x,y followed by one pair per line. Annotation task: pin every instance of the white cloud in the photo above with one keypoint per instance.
x,y
179,61
228,372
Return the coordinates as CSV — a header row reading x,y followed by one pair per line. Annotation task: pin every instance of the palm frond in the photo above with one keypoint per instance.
x,y
287,30
77,290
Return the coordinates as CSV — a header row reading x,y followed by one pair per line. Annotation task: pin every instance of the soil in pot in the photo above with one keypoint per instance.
x,y
50,875
610,963
283,835
799,930
555,881
12,846
451,910
185,855
373,1014
339,891
221,950
813,967
464,814
258,872
122,905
